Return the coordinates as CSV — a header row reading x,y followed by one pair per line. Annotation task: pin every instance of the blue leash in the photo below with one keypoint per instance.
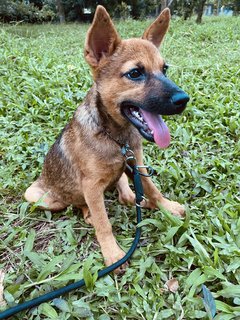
x,y
76,285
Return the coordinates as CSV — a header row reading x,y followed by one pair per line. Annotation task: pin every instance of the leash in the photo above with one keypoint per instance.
x,y
134,168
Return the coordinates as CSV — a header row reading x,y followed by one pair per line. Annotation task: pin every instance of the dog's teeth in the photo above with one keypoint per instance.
x,y
137,115
152,132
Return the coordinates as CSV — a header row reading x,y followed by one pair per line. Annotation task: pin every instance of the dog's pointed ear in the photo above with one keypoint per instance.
x,y
102,38
157,30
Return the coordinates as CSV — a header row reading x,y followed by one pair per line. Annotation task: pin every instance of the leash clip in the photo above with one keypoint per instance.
x,y
126,151
130,157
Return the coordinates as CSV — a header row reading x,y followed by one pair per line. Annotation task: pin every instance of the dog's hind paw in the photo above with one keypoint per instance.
x,y
87,215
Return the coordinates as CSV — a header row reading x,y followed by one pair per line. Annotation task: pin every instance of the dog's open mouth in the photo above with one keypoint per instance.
x,y
150,125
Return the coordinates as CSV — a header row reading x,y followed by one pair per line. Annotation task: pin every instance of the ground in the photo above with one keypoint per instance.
x,y
43,79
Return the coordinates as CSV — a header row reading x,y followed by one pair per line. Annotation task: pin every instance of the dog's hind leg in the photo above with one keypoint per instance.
x,y
125,193
36,192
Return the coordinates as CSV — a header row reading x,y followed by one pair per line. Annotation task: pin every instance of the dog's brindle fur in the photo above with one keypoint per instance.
x,y
86,160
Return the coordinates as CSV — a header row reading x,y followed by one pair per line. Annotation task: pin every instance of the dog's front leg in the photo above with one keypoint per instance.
x,y
125,194
154,195
94,197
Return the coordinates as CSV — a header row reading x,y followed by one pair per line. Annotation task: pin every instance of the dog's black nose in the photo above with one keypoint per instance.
x,y
180,99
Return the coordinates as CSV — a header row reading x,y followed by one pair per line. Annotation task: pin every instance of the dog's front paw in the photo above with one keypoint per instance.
x,y
114,256
126,195
174,207
127,198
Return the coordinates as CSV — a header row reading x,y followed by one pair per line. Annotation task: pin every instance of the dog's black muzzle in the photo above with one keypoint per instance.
x,y
162,97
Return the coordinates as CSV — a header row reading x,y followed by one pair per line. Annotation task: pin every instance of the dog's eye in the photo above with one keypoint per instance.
x,y
165,68
135,74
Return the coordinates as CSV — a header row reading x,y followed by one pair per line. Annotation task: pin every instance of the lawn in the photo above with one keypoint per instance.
x,y
43,79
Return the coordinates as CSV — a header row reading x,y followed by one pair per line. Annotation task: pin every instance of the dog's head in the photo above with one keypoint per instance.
x,y
131,76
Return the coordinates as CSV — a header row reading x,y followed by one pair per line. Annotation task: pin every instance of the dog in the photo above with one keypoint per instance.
x,y
128,97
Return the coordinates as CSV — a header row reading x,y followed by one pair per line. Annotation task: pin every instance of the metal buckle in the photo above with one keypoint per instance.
x,y
129,155
143,199
149,168
130,158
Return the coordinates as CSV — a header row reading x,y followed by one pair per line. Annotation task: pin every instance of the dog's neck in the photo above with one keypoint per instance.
x,y
109,126
104,121
92,115
107,120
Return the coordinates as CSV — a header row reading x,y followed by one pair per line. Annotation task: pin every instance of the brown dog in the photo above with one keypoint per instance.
x,y
130,92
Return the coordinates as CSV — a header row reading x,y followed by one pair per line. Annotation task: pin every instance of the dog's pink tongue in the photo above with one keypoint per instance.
x,y
158,126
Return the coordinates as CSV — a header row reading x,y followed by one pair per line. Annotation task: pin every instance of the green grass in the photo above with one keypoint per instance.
x,y
43,79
